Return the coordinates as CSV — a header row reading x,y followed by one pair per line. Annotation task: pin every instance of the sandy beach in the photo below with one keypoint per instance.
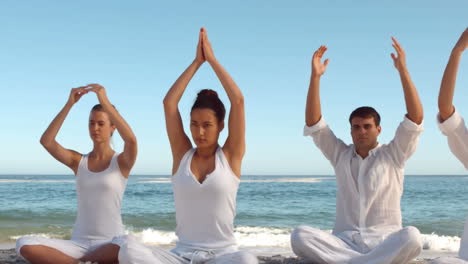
x,y
8,256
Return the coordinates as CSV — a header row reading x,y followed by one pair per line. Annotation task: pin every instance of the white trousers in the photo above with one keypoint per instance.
x,y
324,248
134,252
73,248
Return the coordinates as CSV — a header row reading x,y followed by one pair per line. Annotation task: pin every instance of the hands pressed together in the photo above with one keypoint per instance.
x,y
77,93
204,49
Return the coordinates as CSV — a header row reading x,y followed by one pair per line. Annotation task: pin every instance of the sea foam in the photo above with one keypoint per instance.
x,y
248,236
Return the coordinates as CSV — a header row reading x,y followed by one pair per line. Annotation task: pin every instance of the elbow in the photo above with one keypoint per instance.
x,y
417,119
239,100
165,101
46,143
168,104
132,141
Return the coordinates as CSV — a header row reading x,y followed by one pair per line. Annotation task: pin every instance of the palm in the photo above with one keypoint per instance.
x,y
318,67
200,57
207,49
399,59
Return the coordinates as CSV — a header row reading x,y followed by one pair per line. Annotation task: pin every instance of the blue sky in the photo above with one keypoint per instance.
x,y
137,49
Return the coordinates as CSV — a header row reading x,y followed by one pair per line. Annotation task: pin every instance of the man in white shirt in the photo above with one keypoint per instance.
x,y
452,125
369,179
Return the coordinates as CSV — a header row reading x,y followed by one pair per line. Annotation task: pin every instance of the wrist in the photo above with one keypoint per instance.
x,y
403,70
212,61
69,104
197,62
315,76
103,100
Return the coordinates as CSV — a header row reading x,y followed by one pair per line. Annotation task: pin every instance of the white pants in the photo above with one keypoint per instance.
x,y
134,252
324,248
73,248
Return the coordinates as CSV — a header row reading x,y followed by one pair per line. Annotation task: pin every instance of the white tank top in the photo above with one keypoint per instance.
x,y
205,211
99,196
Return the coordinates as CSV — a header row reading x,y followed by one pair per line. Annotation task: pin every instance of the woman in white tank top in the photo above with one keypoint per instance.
x,y
101,178
205,178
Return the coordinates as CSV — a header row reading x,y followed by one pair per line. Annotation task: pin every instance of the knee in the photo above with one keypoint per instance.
x,y
298,239
24,246
412,238
247,258
121,240
298,234
27,251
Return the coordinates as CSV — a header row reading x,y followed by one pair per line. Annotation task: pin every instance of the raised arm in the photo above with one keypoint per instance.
x,y
313,108
234,146
413,103
68,157
180,142
127,158
447,87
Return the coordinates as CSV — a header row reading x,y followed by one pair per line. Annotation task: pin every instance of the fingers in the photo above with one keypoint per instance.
x,y
319,53
326,62
79,90
200,36
94,87
394,57
397,46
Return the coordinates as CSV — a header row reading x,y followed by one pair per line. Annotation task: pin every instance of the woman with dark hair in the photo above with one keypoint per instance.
x,y
205,178
101,178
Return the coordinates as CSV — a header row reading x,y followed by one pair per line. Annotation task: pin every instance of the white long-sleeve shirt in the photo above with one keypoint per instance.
x,y
457,135
370,202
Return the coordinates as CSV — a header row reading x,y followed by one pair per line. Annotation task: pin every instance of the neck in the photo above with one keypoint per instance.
x,y
102,149
207,152
364,151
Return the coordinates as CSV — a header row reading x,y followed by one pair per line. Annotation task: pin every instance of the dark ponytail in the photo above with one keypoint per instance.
x,y
209,99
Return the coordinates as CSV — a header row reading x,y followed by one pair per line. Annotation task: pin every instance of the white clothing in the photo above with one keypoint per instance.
x,y
368,226
372,205
73,248
133,252
99,196
457,136
348,247
205,211
205,220
98,220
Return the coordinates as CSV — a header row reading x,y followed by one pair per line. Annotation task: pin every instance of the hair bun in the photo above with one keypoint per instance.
x,y
207,93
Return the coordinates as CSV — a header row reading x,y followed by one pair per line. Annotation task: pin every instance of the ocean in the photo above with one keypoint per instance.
x,y
268,208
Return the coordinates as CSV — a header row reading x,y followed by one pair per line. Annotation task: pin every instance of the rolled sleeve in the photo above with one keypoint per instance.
x,y
448,126
405,141
412,126
310,130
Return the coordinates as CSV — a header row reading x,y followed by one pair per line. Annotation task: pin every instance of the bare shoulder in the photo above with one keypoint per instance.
x,y
235,161
75,158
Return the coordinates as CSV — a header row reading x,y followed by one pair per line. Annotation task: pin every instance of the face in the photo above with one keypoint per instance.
x,y
205,127
100,127
364,132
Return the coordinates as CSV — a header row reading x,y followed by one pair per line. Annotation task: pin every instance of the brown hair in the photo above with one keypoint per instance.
x,y
100,108
209,99
366,112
